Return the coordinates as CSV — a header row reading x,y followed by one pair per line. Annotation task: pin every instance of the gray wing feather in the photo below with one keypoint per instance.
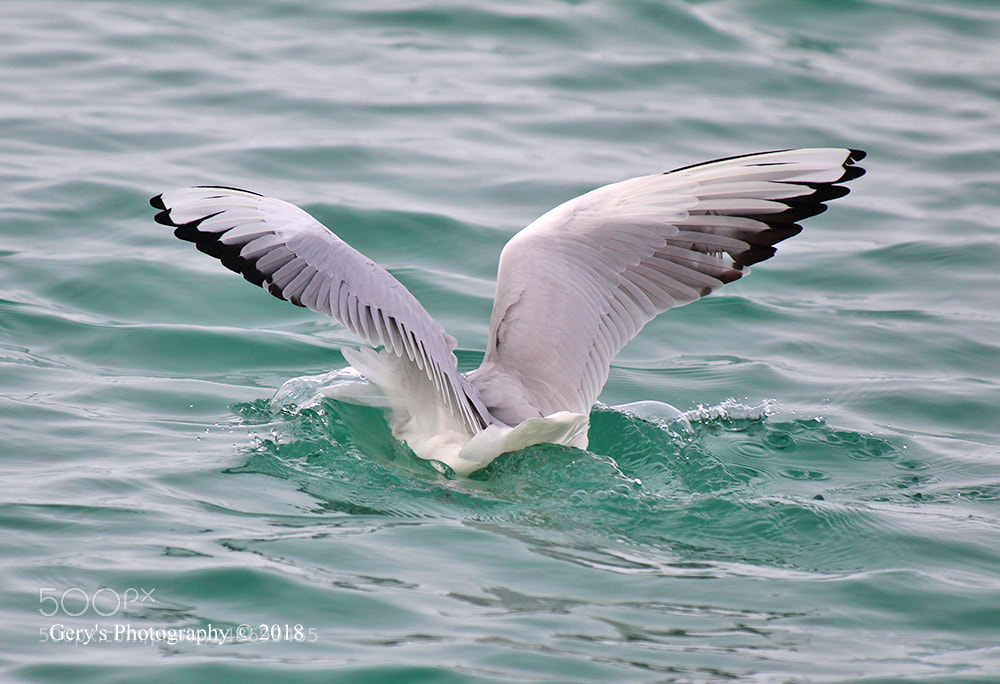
x,y
578,283
286,251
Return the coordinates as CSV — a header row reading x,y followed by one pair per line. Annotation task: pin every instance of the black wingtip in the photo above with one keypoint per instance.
x,y
796,212
779,232
824,193
187,232
851,173
850,170
163,218
157,202
755,254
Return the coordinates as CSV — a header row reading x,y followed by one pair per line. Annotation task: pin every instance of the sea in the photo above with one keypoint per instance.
x,y
829,511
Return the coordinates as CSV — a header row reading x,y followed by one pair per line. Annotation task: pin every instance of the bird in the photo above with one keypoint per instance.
x,y
572,288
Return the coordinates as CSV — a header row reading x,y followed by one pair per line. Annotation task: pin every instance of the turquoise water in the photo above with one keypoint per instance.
x,y
832,515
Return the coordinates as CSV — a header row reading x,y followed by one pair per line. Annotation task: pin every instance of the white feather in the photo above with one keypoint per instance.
x,y
572,289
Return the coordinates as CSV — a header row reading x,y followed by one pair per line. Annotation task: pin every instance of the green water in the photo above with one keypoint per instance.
x,y
834,514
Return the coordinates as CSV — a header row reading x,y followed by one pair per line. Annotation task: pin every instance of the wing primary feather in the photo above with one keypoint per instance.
x,y
628,251
287,252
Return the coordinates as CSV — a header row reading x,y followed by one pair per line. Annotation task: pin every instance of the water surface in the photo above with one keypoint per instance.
x,y
833,514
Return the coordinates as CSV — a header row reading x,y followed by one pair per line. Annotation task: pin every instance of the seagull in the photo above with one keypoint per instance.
x,y
573,288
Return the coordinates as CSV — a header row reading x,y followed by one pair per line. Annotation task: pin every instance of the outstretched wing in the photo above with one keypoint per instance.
x,y
578,283
286,251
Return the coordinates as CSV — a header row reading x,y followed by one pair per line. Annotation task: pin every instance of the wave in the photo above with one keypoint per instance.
x,y
729,488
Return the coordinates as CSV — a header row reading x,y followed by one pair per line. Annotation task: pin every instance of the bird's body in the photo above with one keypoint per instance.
x,y
572,288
